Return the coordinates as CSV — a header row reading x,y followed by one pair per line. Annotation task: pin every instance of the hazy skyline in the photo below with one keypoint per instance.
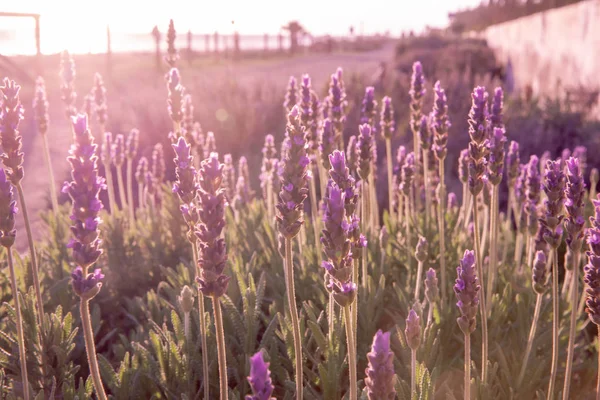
x,y
78,25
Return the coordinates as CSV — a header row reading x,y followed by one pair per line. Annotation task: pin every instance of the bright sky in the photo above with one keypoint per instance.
x,y
72,21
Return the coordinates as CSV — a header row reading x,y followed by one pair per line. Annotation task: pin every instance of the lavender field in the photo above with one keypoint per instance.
x,y
417,233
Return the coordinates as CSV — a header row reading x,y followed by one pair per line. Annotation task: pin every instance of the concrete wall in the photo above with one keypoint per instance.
x,y
553,50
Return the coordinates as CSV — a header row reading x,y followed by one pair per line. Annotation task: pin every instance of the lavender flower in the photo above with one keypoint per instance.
x,y
496,156
352,155
269,163
580,152
532,181
424,136
478,128
513,161
294,180
176,92
210,144
119,150
365,150
312,133
309,114
107,153
368,110
592,269
440,122
8,209
141,170
408,171
416,92
67,89
87,286
574,205
463,166
387,124
213,252
188,126
432,290
11,114
291,96
100,106
452,201
539,278
172,55
326,141
413,330
229,181
84,190
40,106
158,163
380,374
242,194
467,292
337,247
132,143
553,184
185,186
337,104
244,172
496,109
260,379
421,249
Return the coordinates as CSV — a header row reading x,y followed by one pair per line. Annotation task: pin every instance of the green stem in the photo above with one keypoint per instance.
x,y
130,191
203,327
186,326
351,352
291,292
90,348
19,323
141,196
112,203
388,151
555,322
413,373
534,323
482,300
573,324
427,189
53,195
32,255
122,196
331,316
220,348
365,221
270,211
442,229
418,283
467,367
493,245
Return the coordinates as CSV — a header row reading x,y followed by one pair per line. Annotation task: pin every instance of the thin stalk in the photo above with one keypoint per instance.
x,y
442,229
413,372
573,324
468,213
566,284
382,265
509,206
130,190
493,244
467,367
427,190
121,184
19,323
400,209
53,195
351,353
430,314
482,300
331,316
555,322
322,175
220,348
112,203
418,283
530,242
301,238
464,204
372,204
534,323
518,249
291,292
365,221
408,231
141,196
32,256
186,326
203,327
270,208
90,348
486,231
388,152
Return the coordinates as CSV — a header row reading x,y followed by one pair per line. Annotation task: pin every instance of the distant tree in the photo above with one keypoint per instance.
x,y
295,29
172,55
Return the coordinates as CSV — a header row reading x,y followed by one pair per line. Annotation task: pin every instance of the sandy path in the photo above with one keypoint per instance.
x,y
319,66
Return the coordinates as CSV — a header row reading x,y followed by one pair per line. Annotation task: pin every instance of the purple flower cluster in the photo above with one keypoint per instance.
x,y
495,158
496,109
87,286
424,136
229,181
327,141
8,209
513,162
352,155
365,151
309,115
294,179
553,185
159,167
176,92
533,181
84,190
413,330
368,110
291,96
380,378
386,119
416,92
40,106
337,104
141,171
574,204
478,132
539,274
408,172
212,256
591,272
185,186
440,122
11,114
269,164
67,88
432,290
260,379
463,166
467,292
132,143
100,106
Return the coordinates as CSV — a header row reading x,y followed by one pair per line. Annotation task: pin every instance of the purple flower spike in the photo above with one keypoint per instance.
x,y
40,106
175,100
574,205
432,290
424,134
67,88
440,122
513,160
100,106
413,330
467,292
131,145
159,168
185,186
553,185
580,152
260,379
408,171
289,220
387,124
365,149
368,110
452,201
532,181
336,103
11,114
213,252
84,190
291,96
326,141
380,374
496,109
8,209
416,92
309,115
540,277
119,150
478,132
